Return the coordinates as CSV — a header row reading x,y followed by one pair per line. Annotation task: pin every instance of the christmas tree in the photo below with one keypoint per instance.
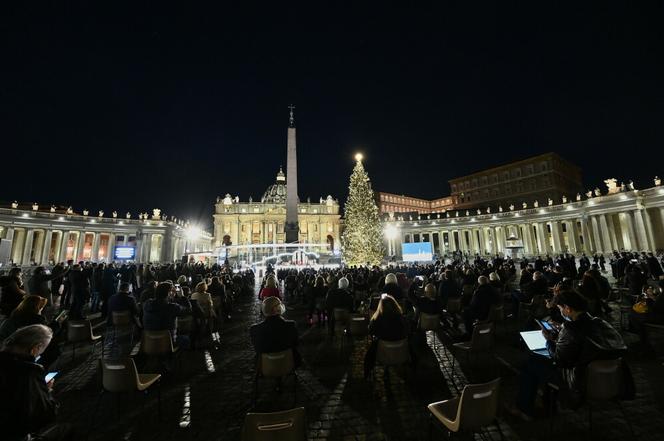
x,y
362,239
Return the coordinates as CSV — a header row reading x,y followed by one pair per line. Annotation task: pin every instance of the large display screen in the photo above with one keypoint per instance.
x,y
417,252
124,253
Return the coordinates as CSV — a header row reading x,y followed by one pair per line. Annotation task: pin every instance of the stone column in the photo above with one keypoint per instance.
x,y
27,246
649,230
78,253
139,246
528,239
111,247
94,255
586,231
631,231
63,246
641,233
594,222
453,244
46,249
556,233
612,231
542,238
573,236
606,234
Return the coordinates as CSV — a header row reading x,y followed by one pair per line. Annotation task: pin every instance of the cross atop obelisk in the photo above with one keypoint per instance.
x,y
291,227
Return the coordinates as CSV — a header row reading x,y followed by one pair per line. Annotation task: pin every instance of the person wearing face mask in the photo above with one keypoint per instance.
x,y
27,408
581,339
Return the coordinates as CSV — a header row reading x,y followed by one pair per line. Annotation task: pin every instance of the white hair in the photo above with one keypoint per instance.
x,y
391,278
343,283
27,337
494,276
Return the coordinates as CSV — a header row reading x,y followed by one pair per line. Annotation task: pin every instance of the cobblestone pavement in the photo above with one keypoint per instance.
x,y
208,392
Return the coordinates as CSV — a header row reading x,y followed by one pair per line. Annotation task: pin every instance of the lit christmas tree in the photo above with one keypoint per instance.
x,y
362,239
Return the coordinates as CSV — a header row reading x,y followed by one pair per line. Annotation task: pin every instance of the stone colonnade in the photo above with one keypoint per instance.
x,y
29,237
631,221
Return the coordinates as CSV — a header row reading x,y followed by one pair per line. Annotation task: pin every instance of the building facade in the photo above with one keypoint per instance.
x,y
394,203
254,222
29,236
533,179
620,219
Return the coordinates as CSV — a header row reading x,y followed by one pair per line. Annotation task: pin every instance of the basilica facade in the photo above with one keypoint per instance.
x,y
262,222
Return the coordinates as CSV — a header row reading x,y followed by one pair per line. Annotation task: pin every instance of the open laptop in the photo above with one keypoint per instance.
x,y
536,342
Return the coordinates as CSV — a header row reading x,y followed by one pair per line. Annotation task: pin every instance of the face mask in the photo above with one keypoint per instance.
x,y
566,317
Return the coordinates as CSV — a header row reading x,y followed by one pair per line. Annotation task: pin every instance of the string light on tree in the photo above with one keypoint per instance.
x,y
362,239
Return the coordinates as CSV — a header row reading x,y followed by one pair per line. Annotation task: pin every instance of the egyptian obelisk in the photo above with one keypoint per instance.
x,y
291,227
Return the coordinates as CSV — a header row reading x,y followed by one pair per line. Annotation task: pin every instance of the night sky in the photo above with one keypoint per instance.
x,y
107,107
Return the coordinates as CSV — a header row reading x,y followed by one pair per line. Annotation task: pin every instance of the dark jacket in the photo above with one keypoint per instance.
x,y
389,328
483,298
18,321
393,290
339,298
274,334
11,294
119,302
26,405
581,341
160,314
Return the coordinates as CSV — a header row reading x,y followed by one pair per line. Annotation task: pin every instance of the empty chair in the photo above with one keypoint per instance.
x,y
392,353
275,365
481,341
359,326
122,321
605,383
119,376
429,322
288,425
474,409
80,331
158,344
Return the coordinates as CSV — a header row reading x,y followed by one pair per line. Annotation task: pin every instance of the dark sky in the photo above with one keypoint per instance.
x,y
148,106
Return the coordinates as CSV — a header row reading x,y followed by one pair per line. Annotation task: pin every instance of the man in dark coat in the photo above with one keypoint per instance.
x,y
581,339
275,334
480,304
80,291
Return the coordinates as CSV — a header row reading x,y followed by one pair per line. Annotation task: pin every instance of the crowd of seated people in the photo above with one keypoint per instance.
x,y
575,290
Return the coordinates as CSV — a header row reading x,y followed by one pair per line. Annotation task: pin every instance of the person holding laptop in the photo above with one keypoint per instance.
x,y
582,338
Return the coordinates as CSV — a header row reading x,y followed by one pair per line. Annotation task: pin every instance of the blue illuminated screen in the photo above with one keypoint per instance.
x,y
417,252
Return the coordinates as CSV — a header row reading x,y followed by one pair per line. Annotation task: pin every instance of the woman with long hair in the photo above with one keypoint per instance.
x,y
387,323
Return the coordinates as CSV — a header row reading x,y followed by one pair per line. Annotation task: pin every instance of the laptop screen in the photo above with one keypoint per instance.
x,y
534,340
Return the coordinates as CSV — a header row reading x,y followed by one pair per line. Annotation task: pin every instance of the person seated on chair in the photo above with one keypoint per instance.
x,y
649,309
429,302
121,302
339,297
27,406
391,287
388,323
29,312
480,304
448,288
274,333
581,339
160,313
